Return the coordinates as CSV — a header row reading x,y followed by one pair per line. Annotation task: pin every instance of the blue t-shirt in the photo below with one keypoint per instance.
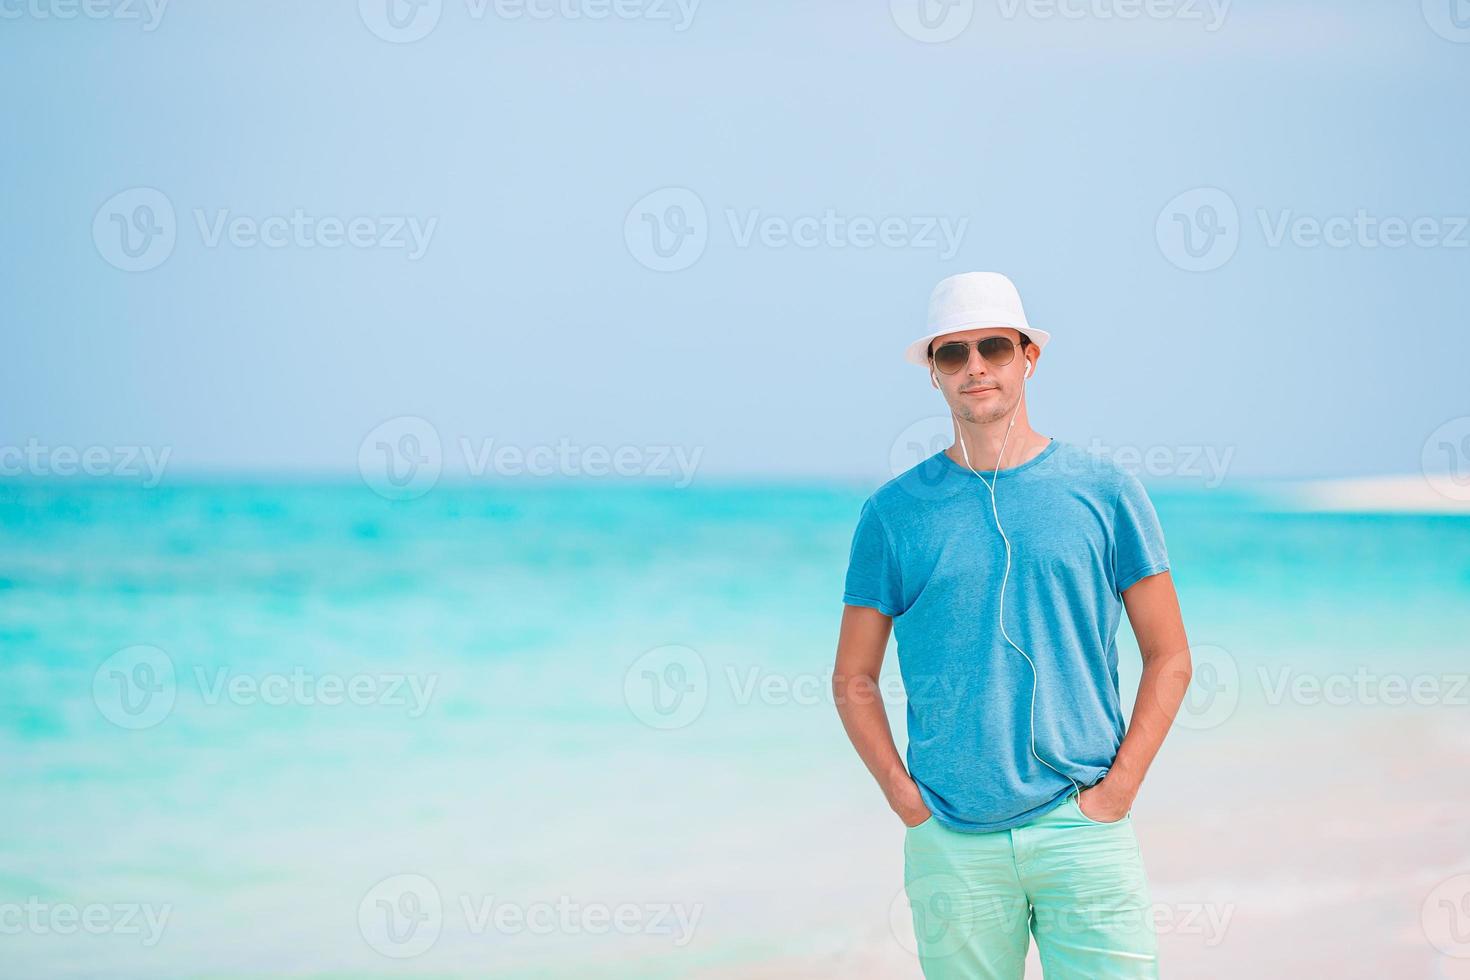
x,y
926,552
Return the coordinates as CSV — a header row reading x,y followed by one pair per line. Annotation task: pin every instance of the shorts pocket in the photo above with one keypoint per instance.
x,y
921,824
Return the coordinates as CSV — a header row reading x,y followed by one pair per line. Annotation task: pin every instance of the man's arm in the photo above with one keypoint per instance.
x,y
860,647
1153,612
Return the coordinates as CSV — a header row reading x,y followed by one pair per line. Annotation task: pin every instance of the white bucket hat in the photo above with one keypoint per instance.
x,y
969,301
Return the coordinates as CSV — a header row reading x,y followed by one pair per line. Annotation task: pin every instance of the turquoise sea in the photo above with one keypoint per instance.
x,y
258,729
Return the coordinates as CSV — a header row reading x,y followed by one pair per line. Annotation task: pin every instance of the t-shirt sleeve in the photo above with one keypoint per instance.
x,y
872,567
1138,540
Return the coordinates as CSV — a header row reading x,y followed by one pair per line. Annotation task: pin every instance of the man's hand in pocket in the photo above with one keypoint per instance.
x,y
907,802
1104,802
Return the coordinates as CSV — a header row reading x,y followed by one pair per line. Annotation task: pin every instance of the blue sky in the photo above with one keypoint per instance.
x,y
448,228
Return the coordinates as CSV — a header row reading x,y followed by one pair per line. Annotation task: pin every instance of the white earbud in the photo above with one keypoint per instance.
x,y
1028,371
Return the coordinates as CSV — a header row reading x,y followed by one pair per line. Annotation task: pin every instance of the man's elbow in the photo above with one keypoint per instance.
x,y
852,687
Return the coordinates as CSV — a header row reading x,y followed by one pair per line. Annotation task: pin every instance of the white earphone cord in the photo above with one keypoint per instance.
x,y
990,485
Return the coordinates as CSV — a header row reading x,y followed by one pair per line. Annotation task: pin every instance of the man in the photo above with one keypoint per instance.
x,y
1004,564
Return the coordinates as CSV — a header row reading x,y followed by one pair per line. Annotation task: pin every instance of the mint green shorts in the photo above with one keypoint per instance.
x,y
1077,884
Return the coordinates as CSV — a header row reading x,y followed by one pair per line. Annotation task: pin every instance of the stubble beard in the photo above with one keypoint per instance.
x,y
969,413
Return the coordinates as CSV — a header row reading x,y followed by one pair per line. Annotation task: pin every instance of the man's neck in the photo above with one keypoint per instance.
x,y
984,442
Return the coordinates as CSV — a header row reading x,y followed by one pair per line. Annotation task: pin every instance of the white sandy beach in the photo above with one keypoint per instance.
x,y
1407,493
1282,841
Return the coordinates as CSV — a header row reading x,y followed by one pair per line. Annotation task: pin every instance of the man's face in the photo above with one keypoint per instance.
x,y
982,391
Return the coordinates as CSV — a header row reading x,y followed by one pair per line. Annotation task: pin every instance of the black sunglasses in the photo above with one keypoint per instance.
x,y
953,355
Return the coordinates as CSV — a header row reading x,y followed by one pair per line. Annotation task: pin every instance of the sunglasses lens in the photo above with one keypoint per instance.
x,y
949,358
997,350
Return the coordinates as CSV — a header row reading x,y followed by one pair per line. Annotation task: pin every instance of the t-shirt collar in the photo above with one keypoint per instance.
x,y
986,471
